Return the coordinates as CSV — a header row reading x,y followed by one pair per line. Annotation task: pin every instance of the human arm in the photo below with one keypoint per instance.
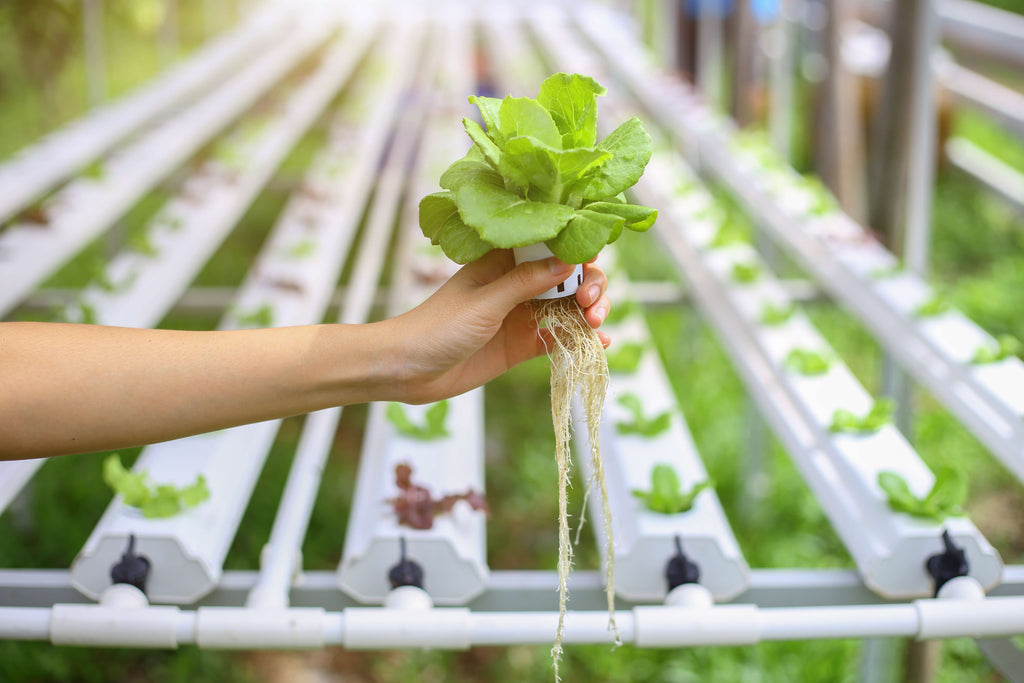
x,y
81,388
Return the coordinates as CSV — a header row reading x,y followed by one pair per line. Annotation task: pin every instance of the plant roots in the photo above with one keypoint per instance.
x,y
579,369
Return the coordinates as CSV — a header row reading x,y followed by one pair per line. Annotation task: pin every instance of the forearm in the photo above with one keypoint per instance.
x,y
81,388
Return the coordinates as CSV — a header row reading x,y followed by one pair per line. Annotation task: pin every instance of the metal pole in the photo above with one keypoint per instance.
x,y
880,660
168,42
780,117
709,52
669,17
95,63
921,172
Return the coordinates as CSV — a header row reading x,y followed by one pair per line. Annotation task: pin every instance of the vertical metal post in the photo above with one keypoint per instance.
x,y
920,179
780,116
95,63
168,42
212,17
921,172
841,153
669,17
709,51
922,657
879,660
755,475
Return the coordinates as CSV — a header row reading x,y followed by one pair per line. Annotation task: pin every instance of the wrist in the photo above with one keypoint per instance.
x,y
360,363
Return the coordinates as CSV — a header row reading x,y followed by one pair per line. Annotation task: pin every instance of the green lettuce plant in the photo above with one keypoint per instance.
x,y
626,358
537,173
937,305
808,362
772,315
666,494
641,424
153,500
433,426
944,500
1006,346
849,422
746,273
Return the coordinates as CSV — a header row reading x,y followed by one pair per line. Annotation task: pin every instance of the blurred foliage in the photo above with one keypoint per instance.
x,y
43,73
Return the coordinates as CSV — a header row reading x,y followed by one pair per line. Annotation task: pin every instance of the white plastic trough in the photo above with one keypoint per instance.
x,y
645,540
828,247
187,551
889,548
452,554
185,234
84,208
187,231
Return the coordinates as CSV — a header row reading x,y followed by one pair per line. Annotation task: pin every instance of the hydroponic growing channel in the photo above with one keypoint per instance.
x,y
386,85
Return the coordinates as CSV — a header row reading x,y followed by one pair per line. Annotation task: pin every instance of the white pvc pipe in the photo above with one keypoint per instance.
x,y
25,623
101,626
538,628
458,628
285,545
660,626
232,628
856,621
374,628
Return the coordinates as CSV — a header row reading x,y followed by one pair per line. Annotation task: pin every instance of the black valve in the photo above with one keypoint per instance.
x,y
680,569
948,564
132,569
406,572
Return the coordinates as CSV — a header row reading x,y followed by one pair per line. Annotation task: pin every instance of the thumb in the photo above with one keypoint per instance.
x,y
526,281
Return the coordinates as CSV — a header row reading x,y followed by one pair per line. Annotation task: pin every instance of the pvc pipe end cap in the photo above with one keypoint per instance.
x,y
408,597
961,588
691,595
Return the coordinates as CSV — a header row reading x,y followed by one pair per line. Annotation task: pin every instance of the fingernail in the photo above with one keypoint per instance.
x,y
594,292
600,312
557,267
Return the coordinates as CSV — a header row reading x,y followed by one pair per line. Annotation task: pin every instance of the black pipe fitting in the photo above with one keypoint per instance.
x,y
947,565
407,572
680,569
132,569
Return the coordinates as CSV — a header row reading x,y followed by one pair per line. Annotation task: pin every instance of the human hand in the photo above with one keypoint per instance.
x,y
479,324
